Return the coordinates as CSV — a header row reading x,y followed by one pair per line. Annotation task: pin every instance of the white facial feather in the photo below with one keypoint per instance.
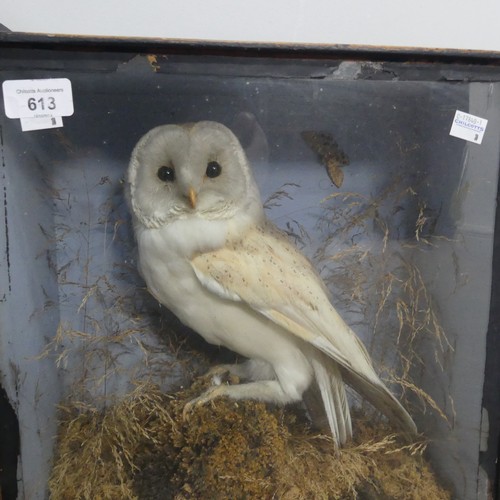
x,y
187,151
207,252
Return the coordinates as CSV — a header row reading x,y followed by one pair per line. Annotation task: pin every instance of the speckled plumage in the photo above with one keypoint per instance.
x,y
208,253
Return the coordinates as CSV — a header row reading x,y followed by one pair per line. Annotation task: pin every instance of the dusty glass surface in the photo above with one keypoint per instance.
x,y
404,242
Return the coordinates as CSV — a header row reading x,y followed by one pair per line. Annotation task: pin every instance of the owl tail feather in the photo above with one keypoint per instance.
x,y
360,375
333,394
379,396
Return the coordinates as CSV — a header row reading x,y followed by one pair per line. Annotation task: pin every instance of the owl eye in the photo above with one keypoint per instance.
x,y
213,169
166,174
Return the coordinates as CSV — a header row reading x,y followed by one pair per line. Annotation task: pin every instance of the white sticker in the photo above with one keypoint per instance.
x,y
38,98
28,124
468,127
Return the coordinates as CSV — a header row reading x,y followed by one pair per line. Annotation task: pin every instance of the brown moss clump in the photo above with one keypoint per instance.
x,y
141,448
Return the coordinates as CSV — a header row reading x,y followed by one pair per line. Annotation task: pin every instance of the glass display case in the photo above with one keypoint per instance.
x,y
380,164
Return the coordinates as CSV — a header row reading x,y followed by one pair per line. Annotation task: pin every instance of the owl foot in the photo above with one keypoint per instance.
x,y
269,391
223,374
210,394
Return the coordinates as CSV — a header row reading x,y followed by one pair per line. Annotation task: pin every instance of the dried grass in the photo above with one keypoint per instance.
x,y
379,283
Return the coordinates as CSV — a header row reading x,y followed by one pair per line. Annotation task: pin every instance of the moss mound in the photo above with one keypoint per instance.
x,y
141,448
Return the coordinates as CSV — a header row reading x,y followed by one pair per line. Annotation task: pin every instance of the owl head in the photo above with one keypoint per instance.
x,y
190,170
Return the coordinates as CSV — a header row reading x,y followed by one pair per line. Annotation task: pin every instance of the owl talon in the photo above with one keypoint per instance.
x,y
186,411
210,394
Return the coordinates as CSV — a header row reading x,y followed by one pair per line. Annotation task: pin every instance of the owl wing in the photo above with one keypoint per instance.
x,y
268,273
264,270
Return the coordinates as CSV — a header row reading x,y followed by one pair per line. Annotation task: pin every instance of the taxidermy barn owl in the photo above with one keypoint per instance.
x,y
208,253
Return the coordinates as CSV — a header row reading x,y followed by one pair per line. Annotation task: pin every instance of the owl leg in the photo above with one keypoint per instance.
x,y
269,391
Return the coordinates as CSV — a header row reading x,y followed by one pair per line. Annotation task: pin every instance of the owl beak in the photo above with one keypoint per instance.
x,y
192,197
